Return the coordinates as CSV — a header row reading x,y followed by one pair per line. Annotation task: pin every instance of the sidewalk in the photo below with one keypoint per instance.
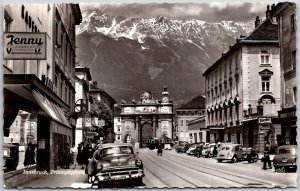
x,y
260,156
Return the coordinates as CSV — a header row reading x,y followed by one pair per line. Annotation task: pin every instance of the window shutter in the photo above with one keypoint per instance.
x,y
58,41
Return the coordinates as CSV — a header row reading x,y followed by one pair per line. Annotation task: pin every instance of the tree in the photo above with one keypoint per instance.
x,y
102,112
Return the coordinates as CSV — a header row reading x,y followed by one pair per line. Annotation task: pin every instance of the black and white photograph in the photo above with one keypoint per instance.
x,y
155,94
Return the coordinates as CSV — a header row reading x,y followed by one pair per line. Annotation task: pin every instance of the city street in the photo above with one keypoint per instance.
x,y
180,170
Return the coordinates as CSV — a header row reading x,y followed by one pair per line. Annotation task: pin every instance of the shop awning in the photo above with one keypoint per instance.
x,y
219,127
51,109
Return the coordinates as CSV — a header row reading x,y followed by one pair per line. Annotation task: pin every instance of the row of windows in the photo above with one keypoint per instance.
x,y
226,115
190,113
217,74
227,69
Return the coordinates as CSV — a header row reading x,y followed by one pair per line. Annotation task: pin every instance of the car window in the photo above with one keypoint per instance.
x,y
116,150
286,150
225,148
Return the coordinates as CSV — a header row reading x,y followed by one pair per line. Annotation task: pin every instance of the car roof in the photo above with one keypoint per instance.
x,y
107,145
287,146
229,144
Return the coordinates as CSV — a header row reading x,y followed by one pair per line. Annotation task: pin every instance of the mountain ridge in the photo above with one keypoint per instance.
x,y
137,54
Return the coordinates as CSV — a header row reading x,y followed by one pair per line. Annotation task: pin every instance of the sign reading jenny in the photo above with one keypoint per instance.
x,y
24,46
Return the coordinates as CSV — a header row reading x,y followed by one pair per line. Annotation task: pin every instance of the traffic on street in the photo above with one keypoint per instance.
x,y
180,170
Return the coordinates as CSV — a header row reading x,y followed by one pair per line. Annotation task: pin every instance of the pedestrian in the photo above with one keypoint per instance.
x,y
136,148
266,158
74,151
199,150
80,154
215,151
67,156
159,150
29,155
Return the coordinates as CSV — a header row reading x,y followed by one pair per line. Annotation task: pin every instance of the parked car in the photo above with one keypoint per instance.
x,y
168,147
208,150
10,157
117,162
285,158
182,147
232,152
191,149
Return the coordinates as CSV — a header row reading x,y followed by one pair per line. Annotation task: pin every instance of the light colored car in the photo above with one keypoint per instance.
x,y
285,158
167,147
192,148
232,152
115,162
208,150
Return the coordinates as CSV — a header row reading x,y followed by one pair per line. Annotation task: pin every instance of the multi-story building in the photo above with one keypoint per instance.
x,y
242,94
106,116
44,86
198,130
82,106
186,113
285,14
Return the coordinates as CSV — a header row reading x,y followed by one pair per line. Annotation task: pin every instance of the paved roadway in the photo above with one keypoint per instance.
x,y
181,170
175,170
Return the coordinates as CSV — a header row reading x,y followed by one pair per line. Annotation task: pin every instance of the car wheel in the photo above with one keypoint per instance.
x,y
219,160
138,181
101,185
255,159
234,159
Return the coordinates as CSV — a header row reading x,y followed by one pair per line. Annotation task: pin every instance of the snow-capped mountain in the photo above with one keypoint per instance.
x,y
129,55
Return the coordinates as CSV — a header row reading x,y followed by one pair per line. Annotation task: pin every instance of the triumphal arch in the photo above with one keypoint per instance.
x,y
147,119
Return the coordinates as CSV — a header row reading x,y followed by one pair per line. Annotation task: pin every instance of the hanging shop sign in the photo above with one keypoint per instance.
x,y
101,123
24,46
88,122
264,120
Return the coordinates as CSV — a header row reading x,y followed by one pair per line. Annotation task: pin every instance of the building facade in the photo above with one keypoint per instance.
x,y
82,104
103,110
285,15
198,132
44,88
146,119
242,89
186,113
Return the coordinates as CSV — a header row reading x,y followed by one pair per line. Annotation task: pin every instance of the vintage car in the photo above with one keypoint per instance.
x,y
208,150
117,162
232,152
10,156
191,149
182,147
285,158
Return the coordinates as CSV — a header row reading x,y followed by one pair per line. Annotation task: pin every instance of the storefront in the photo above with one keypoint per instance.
x,y
28,93
288,119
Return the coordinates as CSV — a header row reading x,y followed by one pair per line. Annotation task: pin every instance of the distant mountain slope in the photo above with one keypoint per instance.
x,y
130,55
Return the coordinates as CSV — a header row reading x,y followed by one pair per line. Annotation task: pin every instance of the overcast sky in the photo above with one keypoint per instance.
x,y
212,12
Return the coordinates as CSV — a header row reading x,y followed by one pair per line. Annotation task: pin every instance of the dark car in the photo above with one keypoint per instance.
x,y
11,157
285,158
117,162
182,148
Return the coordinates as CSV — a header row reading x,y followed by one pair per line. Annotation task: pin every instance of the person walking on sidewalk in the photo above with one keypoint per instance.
x,y
75,153
29,155
267,157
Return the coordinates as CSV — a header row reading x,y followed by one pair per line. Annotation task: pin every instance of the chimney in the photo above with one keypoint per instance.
x,y
272,6
268,12
257,22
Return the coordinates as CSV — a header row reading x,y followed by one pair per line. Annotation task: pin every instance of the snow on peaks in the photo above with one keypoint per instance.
x,y
160,26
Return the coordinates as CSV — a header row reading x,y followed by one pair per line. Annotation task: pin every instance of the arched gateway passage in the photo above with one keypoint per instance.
x,y
146,133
